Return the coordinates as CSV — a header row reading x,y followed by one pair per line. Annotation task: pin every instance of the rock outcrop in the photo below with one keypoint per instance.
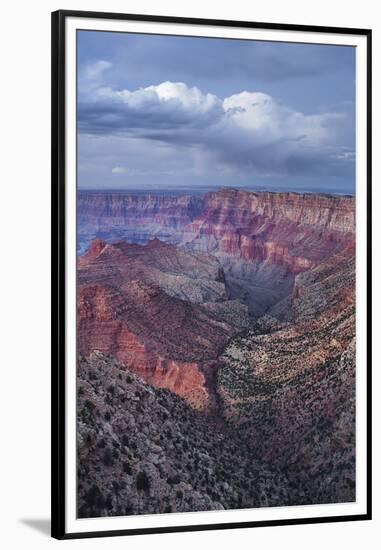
x,y
162,311
264,239
195,277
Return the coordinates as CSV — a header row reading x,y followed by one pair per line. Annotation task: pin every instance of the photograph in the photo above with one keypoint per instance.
x,y
215,276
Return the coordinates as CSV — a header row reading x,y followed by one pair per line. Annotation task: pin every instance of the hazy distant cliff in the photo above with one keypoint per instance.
x,y
123,209
226,205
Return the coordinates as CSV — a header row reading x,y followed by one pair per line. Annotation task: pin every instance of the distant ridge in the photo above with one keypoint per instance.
x,y
204,191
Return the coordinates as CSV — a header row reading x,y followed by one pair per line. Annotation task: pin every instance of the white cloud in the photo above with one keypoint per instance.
x,y
255,115
248,130
263,117
191,99
167,105
119,170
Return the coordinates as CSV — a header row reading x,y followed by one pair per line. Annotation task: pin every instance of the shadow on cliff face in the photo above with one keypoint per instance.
x,y
258,286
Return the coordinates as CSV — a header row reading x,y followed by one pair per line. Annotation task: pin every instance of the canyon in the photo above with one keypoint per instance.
x,y
262,240
240,307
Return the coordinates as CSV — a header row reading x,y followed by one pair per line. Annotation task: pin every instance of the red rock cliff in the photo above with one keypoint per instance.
x,y
287,228
124,312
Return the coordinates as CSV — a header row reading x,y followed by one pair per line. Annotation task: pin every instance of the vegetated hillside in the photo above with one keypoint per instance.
x,y
291,384
144,450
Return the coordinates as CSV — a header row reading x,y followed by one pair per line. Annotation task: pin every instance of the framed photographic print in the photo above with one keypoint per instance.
x,y
211,253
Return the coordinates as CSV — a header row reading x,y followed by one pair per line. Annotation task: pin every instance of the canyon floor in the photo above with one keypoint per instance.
x,y
216,343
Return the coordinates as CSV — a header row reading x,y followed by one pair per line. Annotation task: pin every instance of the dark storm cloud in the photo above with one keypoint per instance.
x,y
149,118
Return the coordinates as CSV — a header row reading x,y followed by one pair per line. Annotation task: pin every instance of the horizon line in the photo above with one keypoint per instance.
x,y
206,190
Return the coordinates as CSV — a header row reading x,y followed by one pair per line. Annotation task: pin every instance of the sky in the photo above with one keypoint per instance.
x,y
173,113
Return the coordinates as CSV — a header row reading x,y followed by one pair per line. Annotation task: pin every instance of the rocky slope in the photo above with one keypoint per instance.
x,y
163,312
291,384
195,277
143,450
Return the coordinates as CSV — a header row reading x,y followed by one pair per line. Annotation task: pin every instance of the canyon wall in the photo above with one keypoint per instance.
x,y
228,211
261,239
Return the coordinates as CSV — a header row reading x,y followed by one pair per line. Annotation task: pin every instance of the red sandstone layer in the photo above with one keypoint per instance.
x,y
169,342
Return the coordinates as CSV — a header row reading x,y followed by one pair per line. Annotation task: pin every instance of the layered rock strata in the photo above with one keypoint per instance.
x,y
161,311
261,239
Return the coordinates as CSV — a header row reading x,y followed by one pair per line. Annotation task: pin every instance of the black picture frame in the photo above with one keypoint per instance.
x,y
58,221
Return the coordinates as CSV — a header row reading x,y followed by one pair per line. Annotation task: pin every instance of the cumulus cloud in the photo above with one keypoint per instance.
x,y
249,131
169,106
176,94
260,115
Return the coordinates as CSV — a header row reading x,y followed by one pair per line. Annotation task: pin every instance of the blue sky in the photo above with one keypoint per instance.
x,y
166,112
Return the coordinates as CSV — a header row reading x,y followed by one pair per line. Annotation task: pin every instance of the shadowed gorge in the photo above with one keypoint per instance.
x,y
226,313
